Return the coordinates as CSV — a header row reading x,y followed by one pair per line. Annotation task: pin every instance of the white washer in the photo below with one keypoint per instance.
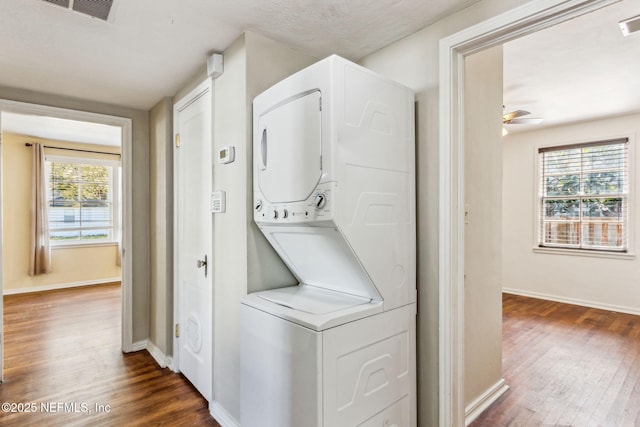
x,y
334,194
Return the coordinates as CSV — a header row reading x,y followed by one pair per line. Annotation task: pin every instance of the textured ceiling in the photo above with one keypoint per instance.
x,y
61,129
579,70
149,48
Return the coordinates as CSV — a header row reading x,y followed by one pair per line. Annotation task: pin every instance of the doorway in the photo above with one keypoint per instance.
x,y
123,127
453,50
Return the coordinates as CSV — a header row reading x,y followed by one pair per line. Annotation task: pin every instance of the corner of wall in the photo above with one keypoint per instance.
x,y
268,62
251,64
161,225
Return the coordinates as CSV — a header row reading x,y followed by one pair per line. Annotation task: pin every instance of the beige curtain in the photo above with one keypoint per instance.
x,y
40,251
118,214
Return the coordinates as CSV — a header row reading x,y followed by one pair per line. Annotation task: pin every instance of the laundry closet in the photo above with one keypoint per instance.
x,y
334,194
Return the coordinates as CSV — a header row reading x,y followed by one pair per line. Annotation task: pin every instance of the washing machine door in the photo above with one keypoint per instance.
x,y
289,150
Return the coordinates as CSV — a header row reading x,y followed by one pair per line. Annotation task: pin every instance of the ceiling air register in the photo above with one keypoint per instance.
x,y
96,8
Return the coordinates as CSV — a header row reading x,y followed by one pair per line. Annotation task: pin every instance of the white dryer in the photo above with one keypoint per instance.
x,y
334,193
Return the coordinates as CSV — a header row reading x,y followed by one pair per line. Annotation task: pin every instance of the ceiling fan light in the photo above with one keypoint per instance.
x,y
525,121
630,26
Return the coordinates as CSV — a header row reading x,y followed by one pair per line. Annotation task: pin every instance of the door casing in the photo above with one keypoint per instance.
x,y
520,21
201,90
125,124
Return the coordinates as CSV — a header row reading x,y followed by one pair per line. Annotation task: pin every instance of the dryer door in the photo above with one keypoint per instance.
x,y
288,149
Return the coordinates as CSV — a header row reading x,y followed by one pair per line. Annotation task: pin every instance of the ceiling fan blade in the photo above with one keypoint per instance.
x,y
513,114
524,121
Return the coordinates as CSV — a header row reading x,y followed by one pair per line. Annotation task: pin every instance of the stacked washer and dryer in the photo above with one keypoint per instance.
x,y
334,194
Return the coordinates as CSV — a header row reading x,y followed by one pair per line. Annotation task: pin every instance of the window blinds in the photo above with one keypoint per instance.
x,y
583,196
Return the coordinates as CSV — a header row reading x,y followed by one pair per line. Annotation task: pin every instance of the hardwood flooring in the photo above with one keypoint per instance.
x,y
567,365
63,364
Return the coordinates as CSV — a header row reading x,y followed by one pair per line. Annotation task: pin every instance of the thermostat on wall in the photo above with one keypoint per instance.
x,y
226,154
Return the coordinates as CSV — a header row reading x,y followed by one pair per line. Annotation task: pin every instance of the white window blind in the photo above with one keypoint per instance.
x,y
82,196
584,191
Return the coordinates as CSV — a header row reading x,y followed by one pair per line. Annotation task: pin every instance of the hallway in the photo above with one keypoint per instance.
x,y
63,366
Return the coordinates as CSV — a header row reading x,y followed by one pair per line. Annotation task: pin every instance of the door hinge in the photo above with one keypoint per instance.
x,y
177,140
177,330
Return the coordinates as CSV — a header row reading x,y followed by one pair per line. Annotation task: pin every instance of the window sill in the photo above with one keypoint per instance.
x,y
589,254
82,245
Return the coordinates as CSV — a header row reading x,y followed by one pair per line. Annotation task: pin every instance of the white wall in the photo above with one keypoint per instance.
x,y
161,224
483,228
243,260
593,281
413,61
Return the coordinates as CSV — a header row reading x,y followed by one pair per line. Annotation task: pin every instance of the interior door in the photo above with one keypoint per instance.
x,y
193,250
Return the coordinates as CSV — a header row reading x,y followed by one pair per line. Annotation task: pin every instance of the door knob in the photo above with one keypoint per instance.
x,y
203,263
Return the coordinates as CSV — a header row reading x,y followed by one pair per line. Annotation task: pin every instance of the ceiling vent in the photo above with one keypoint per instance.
x,y
96,8
631,25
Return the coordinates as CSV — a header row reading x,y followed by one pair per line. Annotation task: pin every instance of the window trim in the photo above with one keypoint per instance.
x,y
630,252
115,202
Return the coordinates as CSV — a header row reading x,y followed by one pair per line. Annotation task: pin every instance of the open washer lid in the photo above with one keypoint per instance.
x,y
313,307
320,257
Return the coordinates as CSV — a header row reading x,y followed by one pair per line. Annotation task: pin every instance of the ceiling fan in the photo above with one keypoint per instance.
x,y
516,118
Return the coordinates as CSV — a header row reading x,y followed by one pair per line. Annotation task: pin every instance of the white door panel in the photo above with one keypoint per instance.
x,y
289,154
194,293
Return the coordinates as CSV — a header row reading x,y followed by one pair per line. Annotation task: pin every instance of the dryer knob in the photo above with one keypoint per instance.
x,y
320,200
274,214
285,213
259,205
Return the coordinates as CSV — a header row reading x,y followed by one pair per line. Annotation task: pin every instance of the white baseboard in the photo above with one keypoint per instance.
x,y
60,286
139,345
169,361
157,354
222,416
475,408
574,301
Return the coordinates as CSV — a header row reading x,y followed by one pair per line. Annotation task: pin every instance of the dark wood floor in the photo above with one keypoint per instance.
x,y
567,366
63,362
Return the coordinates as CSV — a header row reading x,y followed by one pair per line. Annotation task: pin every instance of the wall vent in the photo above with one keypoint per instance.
x,y
96,8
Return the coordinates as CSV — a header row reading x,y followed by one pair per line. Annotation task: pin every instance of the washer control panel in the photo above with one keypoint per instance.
x,y
316,208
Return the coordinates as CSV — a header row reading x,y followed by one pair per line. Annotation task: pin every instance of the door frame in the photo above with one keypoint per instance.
x,y
206,86
8,106
520,21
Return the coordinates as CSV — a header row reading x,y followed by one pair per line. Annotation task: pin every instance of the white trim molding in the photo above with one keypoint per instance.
x,y
205,87
223,418
526,19
61,286
482,402
583,253
126,126
161,359
573,301
139,345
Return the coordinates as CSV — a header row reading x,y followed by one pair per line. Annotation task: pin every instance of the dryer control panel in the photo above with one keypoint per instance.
x,y
317,207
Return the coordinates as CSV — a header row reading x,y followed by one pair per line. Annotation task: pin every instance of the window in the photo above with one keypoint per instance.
x,y
584,192
82,196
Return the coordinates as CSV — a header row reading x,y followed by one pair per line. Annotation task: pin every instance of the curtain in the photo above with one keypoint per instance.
x,y
40,251
118,217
